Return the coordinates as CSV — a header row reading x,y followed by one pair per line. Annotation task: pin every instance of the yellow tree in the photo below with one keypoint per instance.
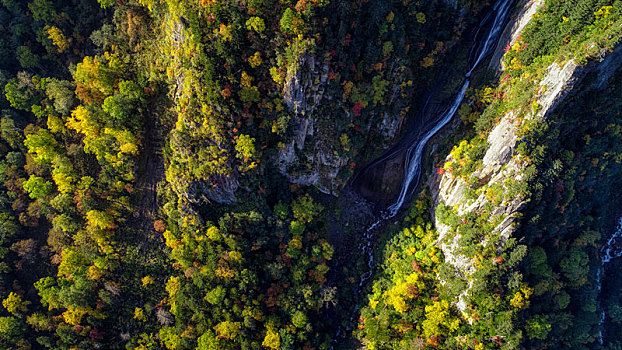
x,y
14,304
58,38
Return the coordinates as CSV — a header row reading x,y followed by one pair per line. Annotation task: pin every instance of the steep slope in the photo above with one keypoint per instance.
x,y
488,198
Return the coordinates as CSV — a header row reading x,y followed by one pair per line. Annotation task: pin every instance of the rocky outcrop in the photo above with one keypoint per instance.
x,y
221,190
389,125
217,187
304,85
306,160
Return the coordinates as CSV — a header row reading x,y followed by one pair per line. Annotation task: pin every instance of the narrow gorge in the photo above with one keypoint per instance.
x,y
310,174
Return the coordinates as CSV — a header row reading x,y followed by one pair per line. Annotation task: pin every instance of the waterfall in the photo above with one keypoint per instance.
x,y
412,168
612,249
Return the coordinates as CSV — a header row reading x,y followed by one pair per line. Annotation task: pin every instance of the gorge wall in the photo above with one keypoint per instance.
x,y
490,189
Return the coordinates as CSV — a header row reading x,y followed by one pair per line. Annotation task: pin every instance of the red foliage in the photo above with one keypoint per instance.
x,y
507,48
95,334
440,171
159,226
300,5
226,92
357,109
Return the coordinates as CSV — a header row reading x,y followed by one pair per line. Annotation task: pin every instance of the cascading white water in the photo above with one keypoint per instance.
x,y
613,248
501,9
609,251
414,153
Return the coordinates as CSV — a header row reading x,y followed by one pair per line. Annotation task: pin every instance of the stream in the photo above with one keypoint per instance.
x,y
609,251
485,41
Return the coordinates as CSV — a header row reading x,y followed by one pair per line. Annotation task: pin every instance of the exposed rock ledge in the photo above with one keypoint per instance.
x,y
304,89
314,157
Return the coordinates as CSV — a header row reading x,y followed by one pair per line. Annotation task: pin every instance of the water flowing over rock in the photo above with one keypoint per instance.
x,y
412,151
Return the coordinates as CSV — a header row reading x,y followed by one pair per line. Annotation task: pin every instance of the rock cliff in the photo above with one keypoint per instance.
x,y
313,156
525,10
305,160
502,166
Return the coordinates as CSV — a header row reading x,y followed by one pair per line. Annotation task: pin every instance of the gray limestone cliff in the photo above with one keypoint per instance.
x,y
502,166
314,164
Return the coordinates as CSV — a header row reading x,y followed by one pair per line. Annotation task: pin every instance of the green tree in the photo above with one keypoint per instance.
x,y
245,147
439,320
575,266
305,210
299,319
249,94
255,23
42,145
48,291
106,3
62,93
538,327
99,219
43,10
21,92
10,133
11,330
27,59
228,330
287,20
37,187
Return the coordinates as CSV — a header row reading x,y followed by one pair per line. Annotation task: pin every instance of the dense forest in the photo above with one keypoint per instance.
x,y
179,175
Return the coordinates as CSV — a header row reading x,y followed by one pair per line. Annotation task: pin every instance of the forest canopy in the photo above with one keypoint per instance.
x,y
182,175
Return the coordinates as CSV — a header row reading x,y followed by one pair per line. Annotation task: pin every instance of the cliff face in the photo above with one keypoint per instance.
x,y
317,165
312,157
502,167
